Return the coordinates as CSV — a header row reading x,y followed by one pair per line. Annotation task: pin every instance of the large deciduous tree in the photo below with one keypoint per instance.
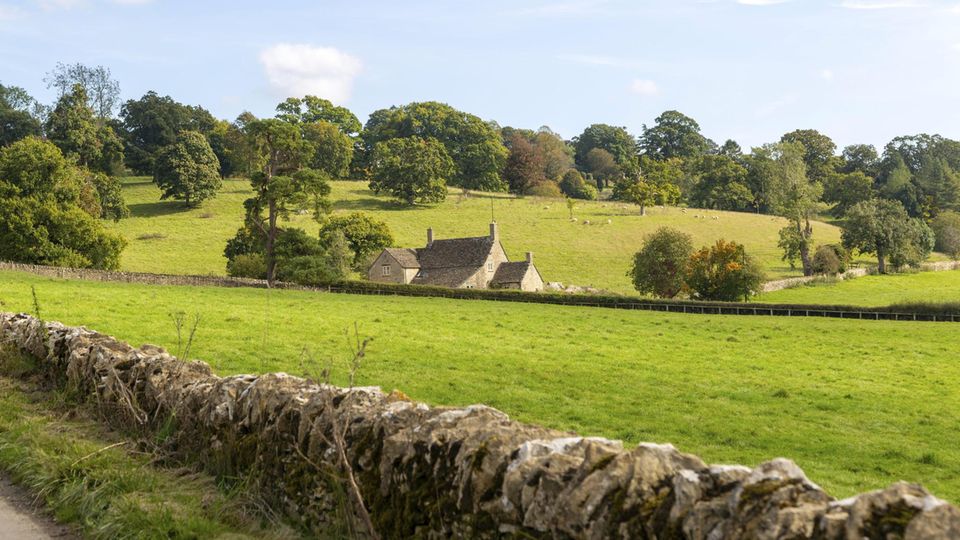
x,y
616,141
152,122
673,135
332,149
187,170
883,228
313,109
365,235
720,183
74,128
845,190
101,91
660,265
17,120
524,168
412,169
818,152
796,198
473,146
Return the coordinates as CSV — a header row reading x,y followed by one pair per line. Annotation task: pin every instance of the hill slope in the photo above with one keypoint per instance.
x,y
166,237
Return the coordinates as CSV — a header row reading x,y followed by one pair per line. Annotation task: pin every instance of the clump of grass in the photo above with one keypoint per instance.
x,y
151,236
781,393
928,459
207,215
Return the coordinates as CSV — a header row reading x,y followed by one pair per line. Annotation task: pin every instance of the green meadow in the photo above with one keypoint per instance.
x,y
875,290
166,237
858,404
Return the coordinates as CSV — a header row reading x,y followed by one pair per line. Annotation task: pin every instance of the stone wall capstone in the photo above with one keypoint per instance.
x,y
438,472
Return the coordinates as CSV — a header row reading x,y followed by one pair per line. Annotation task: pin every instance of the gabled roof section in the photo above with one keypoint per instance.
x,y
444,277
406,257
510,272
456,253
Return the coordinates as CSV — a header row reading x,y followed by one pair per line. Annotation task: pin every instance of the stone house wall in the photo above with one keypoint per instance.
x,y
398,274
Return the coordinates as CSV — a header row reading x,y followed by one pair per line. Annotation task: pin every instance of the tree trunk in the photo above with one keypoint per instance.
x,y
881,265
806,233
643,210
271,241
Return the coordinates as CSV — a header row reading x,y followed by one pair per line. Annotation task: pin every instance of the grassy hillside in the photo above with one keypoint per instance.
x,y
858,404
166,237
874,290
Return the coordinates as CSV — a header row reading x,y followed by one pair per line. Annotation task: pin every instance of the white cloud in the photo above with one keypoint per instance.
x,y
871,5
827,74
761,2
644,87
299,69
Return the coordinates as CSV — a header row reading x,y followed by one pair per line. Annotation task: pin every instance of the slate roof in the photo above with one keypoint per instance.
x,y
406,257
444,277
456,253
510,272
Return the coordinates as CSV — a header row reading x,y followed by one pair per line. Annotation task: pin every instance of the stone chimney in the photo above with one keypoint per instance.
x,y
494,233
530,257
429,236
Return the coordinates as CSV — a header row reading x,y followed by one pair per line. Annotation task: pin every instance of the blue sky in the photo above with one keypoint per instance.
x,y
751,70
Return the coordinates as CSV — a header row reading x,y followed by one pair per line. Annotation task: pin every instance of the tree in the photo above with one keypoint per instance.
x,y
556,154
312,109
574,186
73,127
283,184
412,169
187,170
659,267
946,228
673,135
720,184
860,158
792,196
723,272
643,193
332,149
41,217
473,146
524,166
826,261
730,149
364,235
882,227
818,152
16,120
153,122
847,189
616,141
102,92
601,164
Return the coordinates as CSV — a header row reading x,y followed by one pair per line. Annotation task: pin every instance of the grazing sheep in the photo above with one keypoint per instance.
x,y
716,218
573,220
586,222
683,210
609,222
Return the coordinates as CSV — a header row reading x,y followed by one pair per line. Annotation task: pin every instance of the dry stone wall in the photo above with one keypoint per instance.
x,y
451,472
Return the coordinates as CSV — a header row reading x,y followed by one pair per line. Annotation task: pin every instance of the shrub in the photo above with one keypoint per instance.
x,y
723,272
826,261
658,268
248,265
545,189
574,186
365,236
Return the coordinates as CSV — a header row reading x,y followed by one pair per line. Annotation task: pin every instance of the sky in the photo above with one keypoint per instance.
x,y
860,71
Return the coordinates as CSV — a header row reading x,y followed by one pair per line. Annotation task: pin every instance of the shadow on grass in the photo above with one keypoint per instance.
x,y
159,208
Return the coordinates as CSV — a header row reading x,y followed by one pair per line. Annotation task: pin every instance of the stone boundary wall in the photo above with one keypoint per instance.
x,y
450,472
780,284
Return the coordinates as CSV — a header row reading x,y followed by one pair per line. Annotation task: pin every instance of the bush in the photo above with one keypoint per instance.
x,y
365,236
826,261
248,265
574,186
658,268
545,189
723,272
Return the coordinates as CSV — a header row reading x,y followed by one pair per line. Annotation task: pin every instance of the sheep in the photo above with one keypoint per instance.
x,y
573,220
609,222
716,218
586,222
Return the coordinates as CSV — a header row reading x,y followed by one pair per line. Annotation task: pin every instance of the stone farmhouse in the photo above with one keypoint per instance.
x,y
459,263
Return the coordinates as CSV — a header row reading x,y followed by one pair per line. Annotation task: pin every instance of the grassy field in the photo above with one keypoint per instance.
x,y
857,404
874,290
166,237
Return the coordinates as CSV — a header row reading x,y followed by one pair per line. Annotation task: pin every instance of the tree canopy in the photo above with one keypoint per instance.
x,y
673,135
412,169
187,170
152,122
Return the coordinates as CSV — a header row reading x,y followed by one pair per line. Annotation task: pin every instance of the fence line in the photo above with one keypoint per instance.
x,y
609,302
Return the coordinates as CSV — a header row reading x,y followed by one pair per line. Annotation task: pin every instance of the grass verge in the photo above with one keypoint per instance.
x,y
93,479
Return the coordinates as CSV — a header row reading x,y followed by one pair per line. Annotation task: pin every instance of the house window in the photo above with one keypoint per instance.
x,y
385,270
469,286
490,266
